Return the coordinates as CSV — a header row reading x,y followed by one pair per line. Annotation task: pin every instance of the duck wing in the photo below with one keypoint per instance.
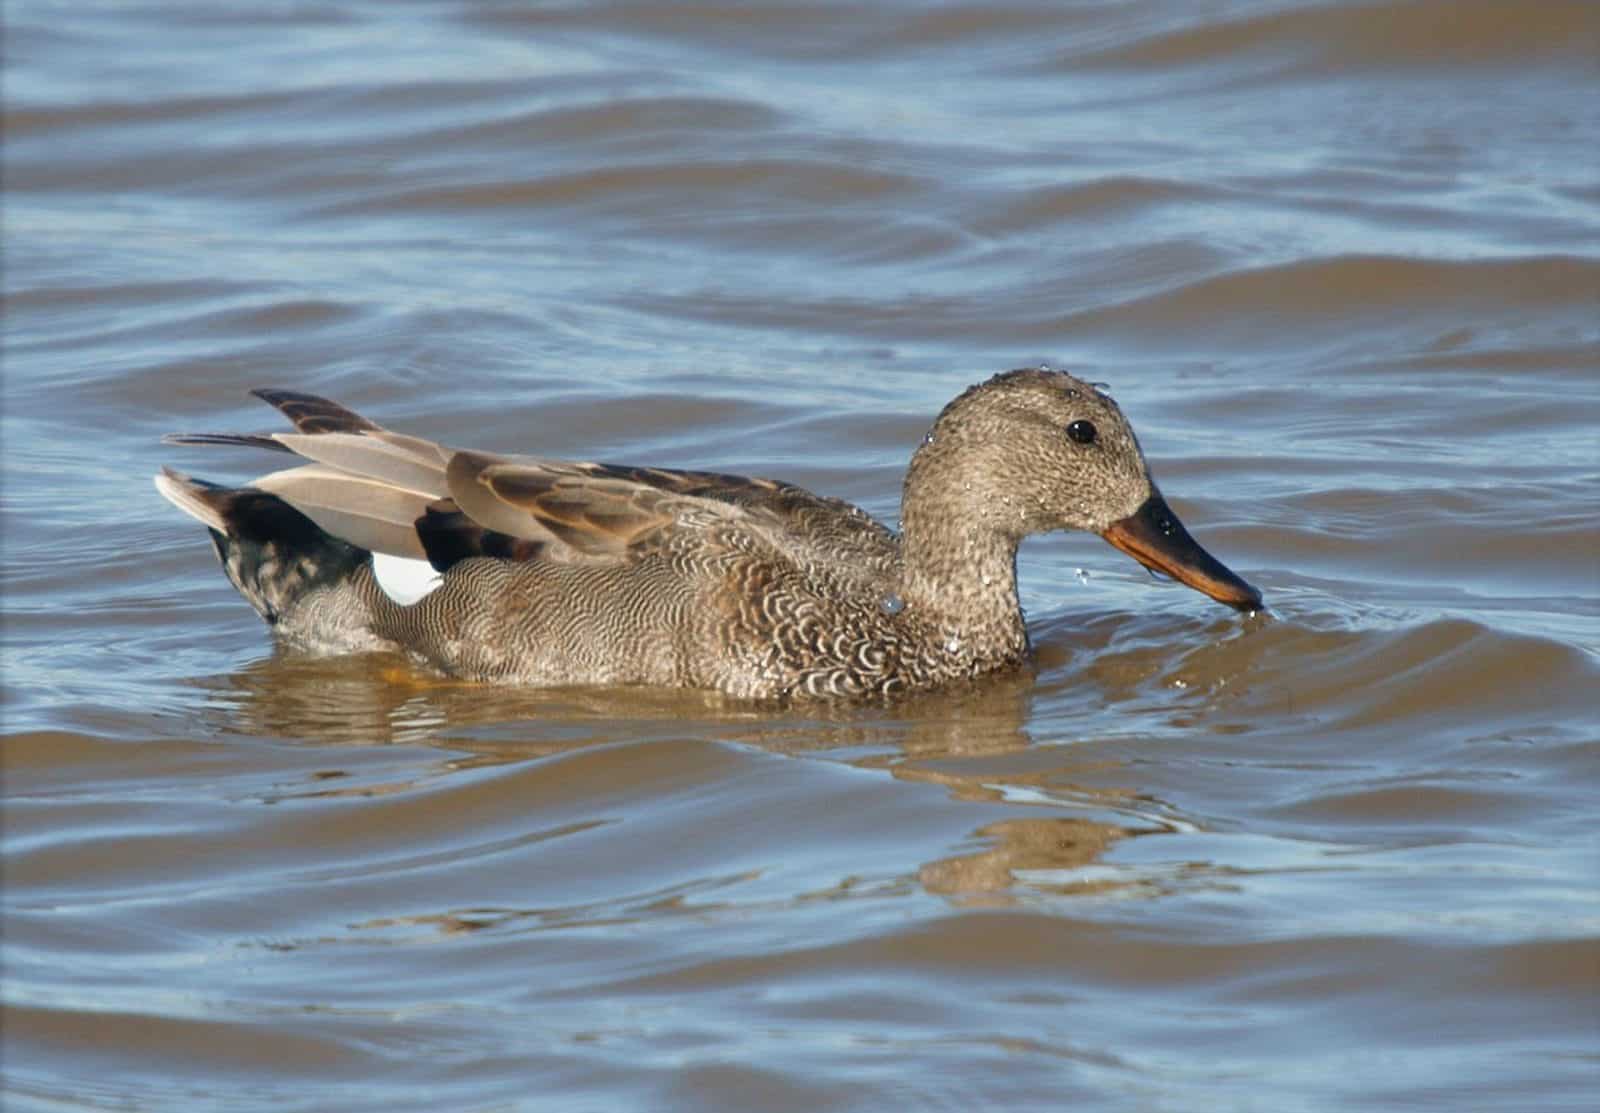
x,y
394,493
611,512
583,510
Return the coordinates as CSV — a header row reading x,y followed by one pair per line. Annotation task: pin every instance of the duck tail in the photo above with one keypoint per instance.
x,y
282,562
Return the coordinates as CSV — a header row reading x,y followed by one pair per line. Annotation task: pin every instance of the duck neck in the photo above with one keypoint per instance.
x,y
959,571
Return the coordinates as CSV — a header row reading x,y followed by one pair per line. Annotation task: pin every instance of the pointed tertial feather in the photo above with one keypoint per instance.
x,y
366,512
247,440
312,413
592,510
428,452
598,515
192,497
479,503
397,463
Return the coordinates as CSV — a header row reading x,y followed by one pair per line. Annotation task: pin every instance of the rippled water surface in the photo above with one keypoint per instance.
x,y
1339,262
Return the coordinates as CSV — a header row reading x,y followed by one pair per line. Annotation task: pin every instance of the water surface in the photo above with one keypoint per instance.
x,y
1340,264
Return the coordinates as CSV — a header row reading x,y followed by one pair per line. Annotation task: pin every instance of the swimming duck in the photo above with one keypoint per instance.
x,y
548,572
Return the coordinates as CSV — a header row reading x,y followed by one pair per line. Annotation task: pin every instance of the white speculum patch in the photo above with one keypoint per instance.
x,y
404,579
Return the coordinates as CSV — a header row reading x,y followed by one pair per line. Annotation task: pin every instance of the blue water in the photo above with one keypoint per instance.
x,y
1340,265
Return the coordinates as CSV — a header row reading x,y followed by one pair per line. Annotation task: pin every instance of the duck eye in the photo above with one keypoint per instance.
x,y
1081,432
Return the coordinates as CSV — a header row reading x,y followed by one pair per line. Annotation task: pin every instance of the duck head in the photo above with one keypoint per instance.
x,y
1033,450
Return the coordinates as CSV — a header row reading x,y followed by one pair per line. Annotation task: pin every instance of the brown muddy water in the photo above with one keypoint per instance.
x,y
1340,263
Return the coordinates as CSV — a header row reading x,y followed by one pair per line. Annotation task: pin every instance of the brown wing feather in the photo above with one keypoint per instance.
x,y
312,413
808,526
546,501
585,511
599,516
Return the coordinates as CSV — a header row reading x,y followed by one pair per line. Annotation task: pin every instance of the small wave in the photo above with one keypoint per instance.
x,y
1398,34
692,185
1346,294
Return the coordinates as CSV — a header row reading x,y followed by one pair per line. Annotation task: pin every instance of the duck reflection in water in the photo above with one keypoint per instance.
x,y
972,742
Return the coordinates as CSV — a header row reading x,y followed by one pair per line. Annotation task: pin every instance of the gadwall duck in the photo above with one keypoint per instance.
x,y
548,572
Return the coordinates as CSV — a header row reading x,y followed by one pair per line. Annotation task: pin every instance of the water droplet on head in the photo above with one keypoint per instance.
x,y
891,604
987,579
953,645
928,439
